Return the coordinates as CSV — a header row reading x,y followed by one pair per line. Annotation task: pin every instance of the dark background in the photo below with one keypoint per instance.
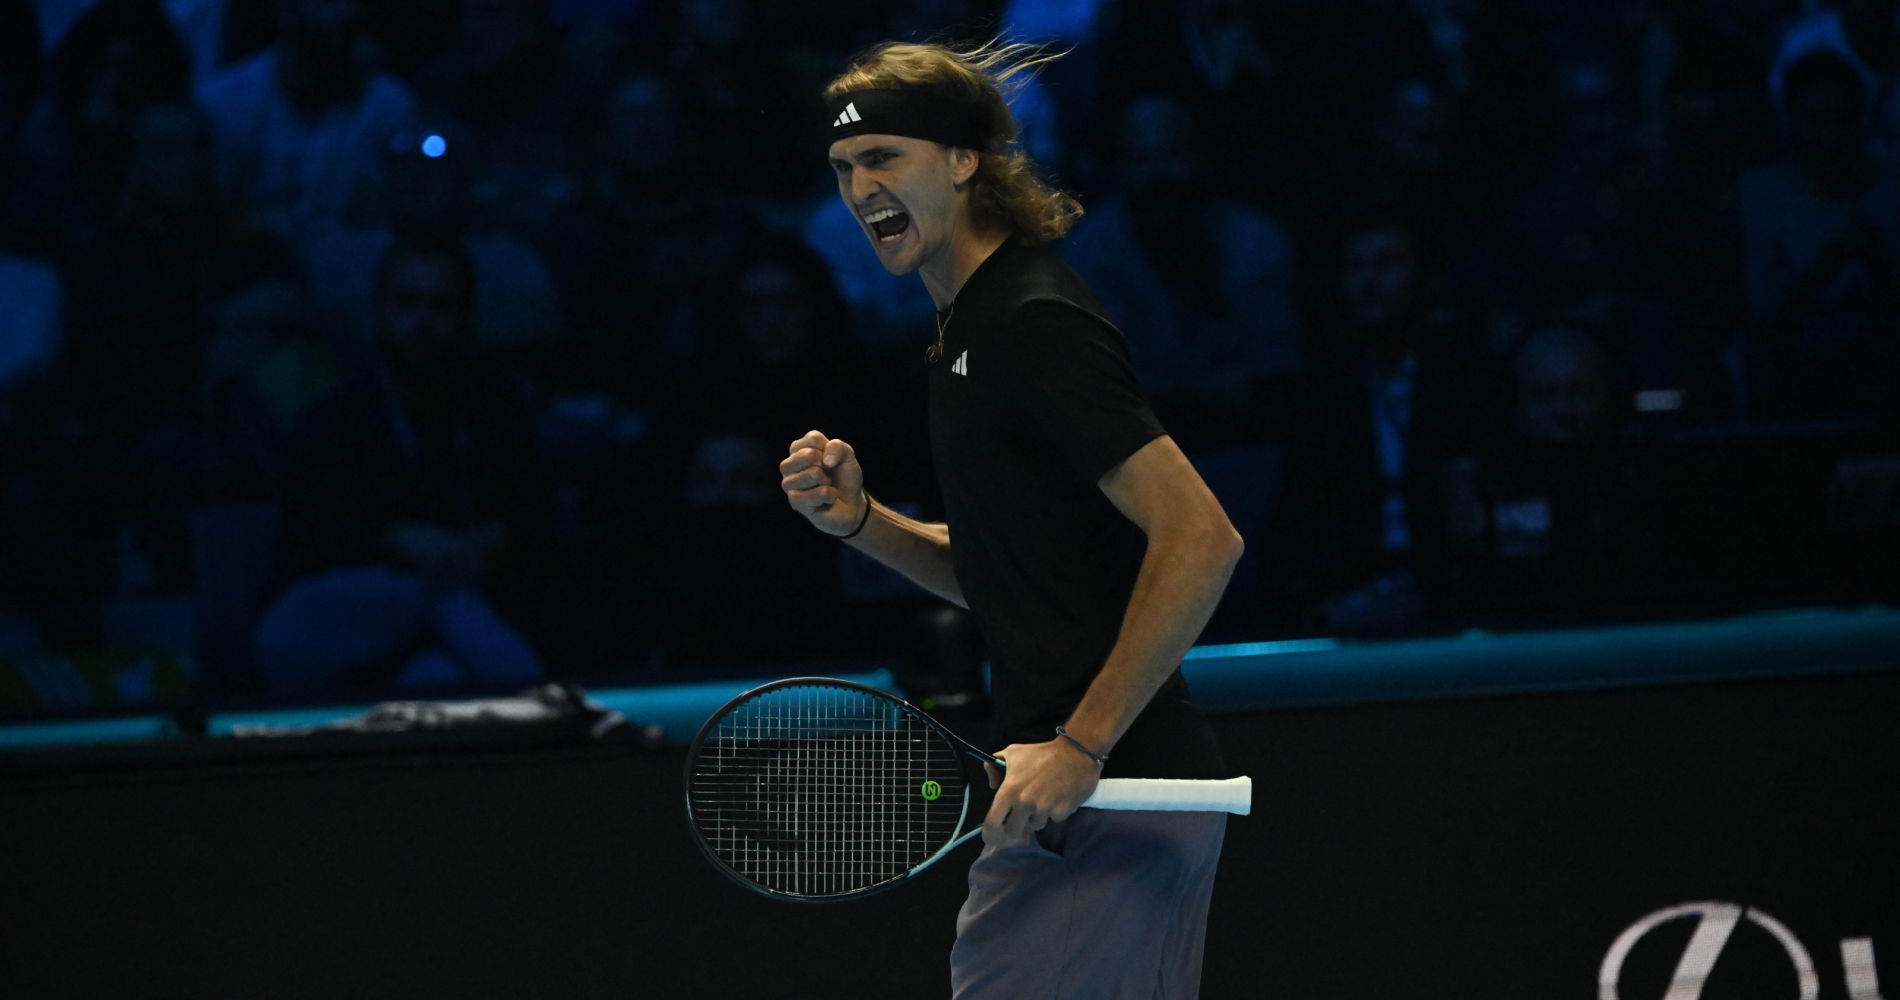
x,y
1462,848
1633,267
1622,279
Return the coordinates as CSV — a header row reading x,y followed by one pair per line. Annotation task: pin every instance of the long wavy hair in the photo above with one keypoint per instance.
x,y
1007,190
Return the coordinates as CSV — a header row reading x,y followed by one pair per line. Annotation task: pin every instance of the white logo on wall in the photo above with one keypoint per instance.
x,y
1715,922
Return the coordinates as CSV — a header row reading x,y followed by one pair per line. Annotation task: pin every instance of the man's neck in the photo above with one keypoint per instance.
x,y
969,248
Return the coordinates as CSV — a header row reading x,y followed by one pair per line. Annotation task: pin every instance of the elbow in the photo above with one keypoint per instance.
x,y
1213,543
1227,545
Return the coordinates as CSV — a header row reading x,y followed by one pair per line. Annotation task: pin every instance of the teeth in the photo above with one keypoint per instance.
x,y
881,215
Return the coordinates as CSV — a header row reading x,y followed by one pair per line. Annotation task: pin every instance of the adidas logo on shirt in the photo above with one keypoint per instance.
x,y
962,366
850,115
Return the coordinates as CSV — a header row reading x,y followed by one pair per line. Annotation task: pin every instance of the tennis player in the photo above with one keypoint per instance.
x,y
1082,541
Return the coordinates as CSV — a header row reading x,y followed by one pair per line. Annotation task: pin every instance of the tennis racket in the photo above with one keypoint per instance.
x,y
815,789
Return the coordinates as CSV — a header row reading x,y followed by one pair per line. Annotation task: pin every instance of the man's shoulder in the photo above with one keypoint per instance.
x,y
387,95
1056,336
1252,234
246,81
1035,277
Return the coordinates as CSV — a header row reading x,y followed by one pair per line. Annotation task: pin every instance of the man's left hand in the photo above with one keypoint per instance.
x,y
1044,783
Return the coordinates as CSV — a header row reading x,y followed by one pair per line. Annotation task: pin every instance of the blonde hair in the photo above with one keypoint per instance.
x,y
1007,191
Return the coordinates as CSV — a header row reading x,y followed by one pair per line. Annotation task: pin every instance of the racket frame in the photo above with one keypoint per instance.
x,y
957,743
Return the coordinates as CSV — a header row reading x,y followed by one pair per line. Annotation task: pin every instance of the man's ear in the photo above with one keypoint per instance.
x,y
963,164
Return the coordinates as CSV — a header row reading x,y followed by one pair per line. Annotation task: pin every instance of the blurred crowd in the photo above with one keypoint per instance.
x,y
455,342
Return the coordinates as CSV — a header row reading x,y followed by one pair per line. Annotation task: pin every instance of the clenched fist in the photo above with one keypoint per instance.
x,y
822,480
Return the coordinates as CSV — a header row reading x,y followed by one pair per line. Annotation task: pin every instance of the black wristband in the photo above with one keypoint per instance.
x,y
866,519
1098,758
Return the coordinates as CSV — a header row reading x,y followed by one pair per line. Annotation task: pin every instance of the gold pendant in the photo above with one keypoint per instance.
x,y
934,353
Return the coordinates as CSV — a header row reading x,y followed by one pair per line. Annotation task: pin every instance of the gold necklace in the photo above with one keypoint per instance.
x,y
934,353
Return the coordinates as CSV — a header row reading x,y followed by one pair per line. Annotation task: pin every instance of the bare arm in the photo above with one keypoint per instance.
x,y
823,481
919,550
1192,550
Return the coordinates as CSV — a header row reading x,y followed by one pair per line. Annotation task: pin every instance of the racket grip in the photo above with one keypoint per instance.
x,y
1231,795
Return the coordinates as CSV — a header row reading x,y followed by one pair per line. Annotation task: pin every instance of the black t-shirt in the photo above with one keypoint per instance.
x,y
1032,403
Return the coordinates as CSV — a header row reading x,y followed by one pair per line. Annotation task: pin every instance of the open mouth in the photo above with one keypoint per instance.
x,y
888,225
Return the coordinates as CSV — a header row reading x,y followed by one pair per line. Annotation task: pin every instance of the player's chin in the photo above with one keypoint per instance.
x,y
899,257
898,266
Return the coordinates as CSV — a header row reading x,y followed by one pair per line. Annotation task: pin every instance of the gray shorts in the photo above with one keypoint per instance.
x,y
1103,905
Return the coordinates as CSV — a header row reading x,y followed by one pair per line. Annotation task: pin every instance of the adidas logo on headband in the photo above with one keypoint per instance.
x,y
914,112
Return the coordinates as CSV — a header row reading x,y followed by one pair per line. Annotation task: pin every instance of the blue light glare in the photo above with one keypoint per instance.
x,y
434,146
1246,649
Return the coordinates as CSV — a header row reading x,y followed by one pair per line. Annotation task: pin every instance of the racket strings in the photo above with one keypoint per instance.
x,y
820,791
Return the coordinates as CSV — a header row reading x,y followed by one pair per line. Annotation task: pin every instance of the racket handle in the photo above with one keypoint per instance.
x,y
1231,795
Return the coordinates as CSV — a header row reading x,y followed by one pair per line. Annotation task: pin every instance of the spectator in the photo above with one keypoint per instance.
x,y
498,84
302,126
1415,138
1703,93
44,589
493,75
641,253
779,324
1414,148
1379,106
1563,392
1822,245
414,501
1545,518
428,197
1570,228
120,58
134,337
132,308
1665,358
267,360
1215,57
1073,25
170,190
63,483
1382,407
1626,213
730,76
1707,116
1201,285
